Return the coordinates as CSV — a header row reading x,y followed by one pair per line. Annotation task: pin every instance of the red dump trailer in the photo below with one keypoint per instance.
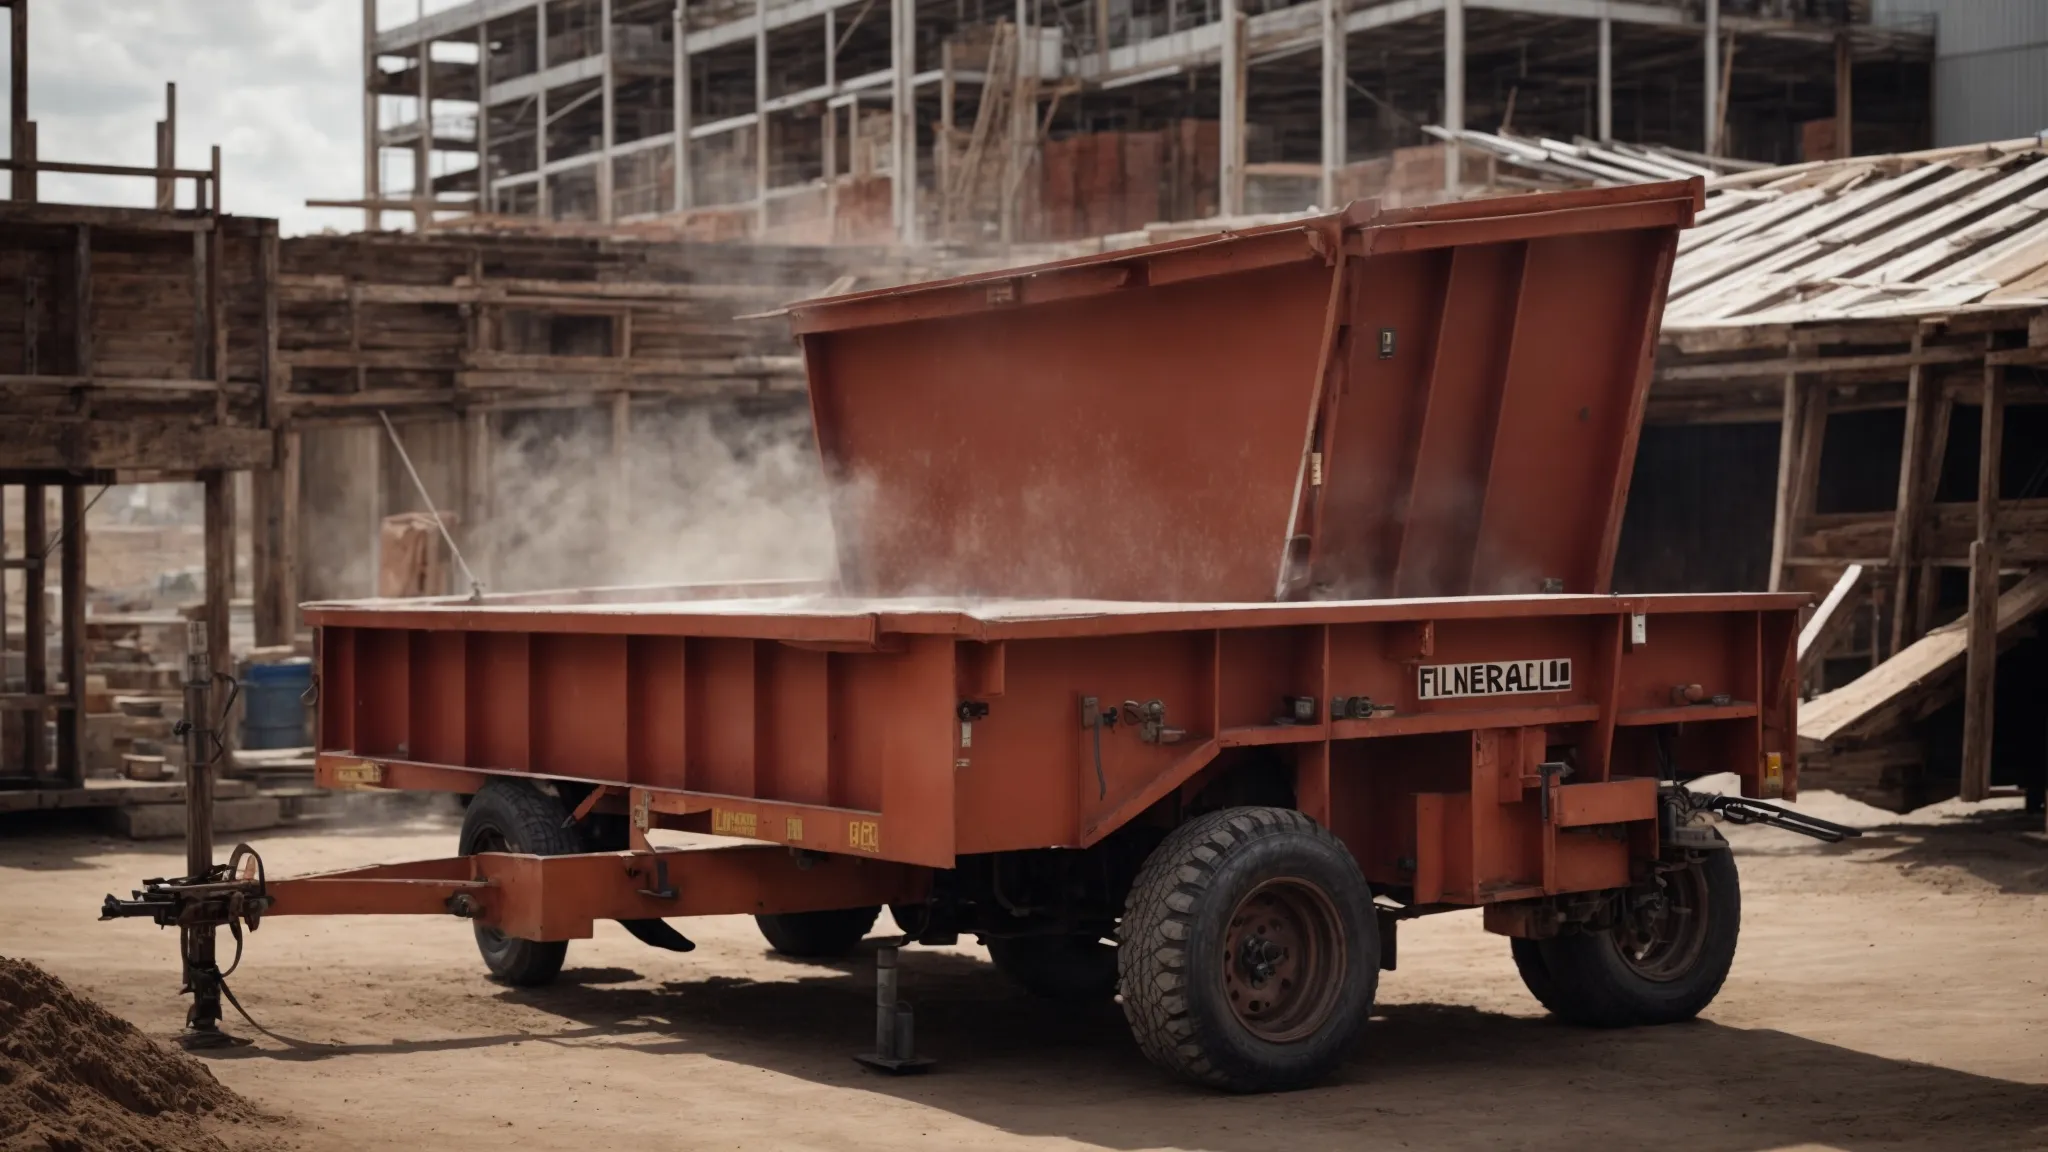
x,y
1203,611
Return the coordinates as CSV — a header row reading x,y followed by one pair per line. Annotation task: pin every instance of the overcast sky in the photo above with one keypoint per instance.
x,y
274,82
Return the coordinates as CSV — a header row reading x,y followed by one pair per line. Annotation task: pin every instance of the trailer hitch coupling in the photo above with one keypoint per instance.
x,y
1682,830
226,895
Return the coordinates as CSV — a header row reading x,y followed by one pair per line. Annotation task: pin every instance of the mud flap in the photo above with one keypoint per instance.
x,y
657,934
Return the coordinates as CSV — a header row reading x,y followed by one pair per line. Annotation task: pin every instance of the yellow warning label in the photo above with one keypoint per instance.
x,y
1774,775
793,828
863,836
727,823
369,773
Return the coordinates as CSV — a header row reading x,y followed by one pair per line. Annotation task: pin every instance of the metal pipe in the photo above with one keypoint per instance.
x,y
886,1005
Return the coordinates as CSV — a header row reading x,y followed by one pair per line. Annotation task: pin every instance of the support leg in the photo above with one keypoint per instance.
x,y
895,1030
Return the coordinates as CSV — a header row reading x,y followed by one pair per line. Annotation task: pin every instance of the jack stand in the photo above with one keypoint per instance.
x,y
895,1029
202,747
202,979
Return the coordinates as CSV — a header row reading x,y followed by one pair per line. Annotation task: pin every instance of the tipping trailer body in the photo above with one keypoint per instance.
x,y
1263,573
843,726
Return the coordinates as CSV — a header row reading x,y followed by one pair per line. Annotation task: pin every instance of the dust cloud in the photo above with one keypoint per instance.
x,y
705,495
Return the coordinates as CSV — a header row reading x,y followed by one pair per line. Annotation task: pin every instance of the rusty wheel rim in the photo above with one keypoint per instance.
x,y
1662,939
1283,960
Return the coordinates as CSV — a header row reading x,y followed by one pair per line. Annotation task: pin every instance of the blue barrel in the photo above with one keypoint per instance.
x,y
273,715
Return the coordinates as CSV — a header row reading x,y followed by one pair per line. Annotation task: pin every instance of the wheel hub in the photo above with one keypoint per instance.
x,y
1283,960
1662,932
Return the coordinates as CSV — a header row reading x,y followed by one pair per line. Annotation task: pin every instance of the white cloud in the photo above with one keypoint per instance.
x,y
276,83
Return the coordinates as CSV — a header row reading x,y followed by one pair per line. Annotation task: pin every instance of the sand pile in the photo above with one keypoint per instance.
x,y
73,1076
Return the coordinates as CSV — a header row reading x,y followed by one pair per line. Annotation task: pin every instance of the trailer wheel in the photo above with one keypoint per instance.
x,y
513,816
817,935
1250,951
1071,967
1528,956
1663,963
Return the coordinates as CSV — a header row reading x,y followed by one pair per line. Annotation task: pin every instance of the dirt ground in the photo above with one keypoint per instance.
x,y
1889,993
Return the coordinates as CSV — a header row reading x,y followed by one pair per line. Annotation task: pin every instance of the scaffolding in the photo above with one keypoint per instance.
x,y
797,116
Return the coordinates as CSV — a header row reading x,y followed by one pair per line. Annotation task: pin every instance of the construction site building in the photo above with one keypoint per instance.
x,y
1055,119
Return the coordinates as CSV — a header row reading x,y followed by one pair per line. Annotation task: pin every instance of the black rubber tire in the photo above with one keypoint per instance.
x,y
818,935
1071,968
1172,964
1584,980
514,816
1528,956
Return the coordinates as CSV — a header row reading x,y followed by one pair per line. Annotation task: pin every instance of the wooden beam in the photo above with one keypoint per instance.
x,y
1927,593
274,564
35,637
146,445
1711,77
478,534
24,183
1910,506
1827,620
1845,138
1981,679
1788,467
166,151
1813,431
219,495
71,636
273,380
1720,370
1923,677
1605,81
81,300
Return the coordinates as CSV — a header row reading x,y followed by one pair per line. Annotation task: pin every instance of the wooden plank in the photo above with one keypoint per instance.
x,y
1909,507
1739,369
178,446
1788,465
1878,698
1980,676
81,300
138,219
35,543
71,636
219,497
1828,619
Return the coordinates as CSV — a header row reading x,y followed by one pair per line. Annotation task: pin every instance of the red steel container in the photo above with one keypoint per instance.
x,y
1433,401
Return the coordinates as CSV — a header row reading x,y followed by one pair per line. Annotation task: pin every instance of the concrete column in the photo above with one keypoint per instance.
x,y
541,198
604,153
760,115
484,201
1606,96
1023,121
903,117
1454,86
680,161
1230,196
423,147
372,183
1334,82
1713,77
